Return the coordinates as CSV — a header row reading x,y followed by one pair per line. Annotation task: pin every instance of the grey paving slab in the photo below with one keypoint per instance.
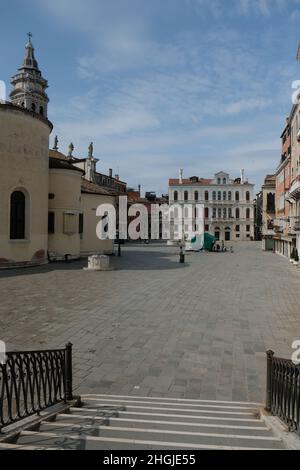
x,y
156,327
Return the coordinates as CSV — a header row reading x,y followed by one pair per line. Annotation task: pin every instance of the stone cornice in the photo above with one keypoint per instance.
x,y
12,107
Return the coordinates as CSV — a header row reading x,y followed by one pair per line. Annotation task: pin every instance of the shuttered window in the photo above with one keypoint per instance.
x,y
80,230
70,223
51,222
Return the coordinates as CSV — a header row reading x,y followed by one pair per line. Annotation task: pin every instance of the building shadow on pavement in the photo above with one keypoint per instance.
x,y
137,260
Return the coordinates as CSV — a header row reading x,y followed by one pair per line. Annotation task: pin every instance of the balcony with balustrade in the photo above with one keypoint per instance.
x,y
294,191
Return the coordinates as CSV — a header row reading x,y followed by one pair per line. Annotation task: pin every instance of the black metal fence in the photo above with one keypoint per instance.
x,y
283,390
32,381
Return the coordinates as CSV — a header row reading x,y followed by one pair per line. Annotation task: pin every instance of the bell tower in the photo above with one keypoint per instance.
x,y
28,84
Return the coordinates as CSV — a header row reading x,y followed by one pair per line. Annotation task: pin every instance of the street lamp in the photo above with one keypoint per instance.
x,y
181,255
182,243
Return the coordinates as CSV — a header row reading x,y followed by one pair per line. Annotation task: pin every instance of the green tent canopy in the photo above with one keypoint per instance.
x,y
209,241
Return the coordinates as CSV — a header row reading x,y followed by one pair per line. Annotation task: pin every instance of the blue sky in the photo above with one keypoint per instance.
x,y
159,85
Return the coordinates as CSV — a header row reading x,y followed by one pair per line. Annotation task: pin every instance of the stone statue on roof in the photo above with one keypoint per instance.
x,y
55,147
71,150
91,150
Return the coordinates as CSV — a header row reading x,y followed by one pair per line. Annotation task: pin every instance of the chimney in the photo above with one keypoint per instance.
x,y
181,176
110,173
242,176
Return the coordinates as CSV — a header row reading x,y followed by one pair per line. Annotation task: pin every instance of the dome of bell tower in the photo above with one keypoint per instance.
x,y
29,86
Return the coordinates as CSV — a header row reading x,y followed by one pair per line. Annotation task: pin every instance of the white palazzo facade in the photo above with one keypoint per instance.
x,y
228,204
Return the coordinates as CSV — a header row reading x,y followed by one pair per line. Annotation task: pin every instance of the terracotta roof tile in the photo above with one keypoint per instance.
x,y
56,163
57,155
92,188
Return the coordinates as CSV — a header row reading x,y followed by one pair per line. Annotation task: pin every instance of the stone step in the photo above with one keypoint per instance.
x,y
99,406
175,401
88,442
126,423
243,407
260,429
230,438
4,446
195,427
171,417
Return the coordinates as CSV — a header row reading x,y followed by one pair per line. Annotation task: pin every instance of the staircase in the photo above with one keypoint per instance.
x,y
112,422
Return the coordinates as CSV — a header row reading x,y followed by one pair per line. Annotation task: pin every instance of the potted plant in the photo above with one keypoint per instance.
x,y
296,262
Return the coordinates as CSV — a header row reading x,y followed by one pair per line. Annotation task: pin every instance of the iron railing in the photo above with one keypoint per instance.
x,y
32,381
283,390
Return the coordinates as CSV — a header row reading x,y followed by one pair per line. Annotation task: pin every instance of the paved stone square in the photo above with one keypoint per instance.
x,y
155,327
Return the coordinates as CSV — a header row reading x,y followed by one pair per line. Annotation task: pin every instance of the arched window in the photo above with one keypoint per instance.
x,y
214,195
237,213
17,216
224,181
219,196
33,107
206,196
248,213
196,196
219,180
186,195
229,196
237,196
41,111
206,212
224,213
224,196
175,195
247,196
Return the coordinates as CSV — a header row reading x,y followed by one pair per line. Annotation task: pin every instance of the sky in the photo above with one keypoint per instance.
x,y
203,85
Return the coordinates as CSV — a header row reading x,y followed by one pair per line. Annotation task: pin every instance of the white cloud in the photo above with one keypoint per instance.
x,y
219,8
295,15
247,105
189,98
113,124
